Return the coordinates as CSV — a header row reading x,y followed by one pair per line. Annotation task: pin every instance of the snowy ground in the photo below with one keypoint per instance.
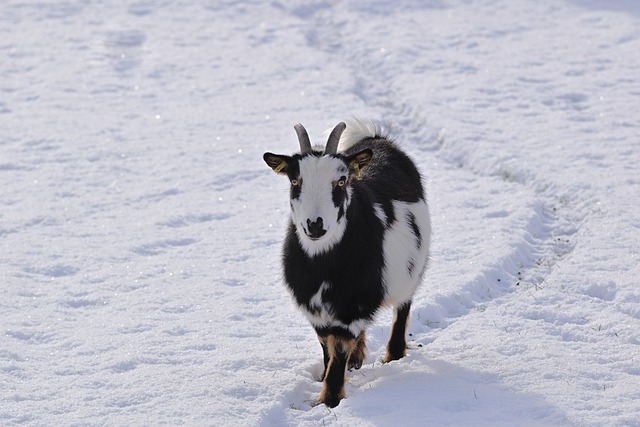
x,y
140,229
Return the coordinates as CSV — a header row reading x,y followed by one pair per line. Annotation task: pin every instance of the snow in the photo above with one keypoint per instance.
x,y
140,229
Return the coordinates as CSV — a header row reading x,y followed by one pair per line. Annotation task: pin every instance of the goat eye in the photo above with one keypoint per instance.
x,y
341,183
296,182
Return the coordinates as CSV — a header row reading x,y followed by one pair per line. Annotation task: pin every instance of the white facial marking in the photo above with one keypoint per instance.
x,y
314,213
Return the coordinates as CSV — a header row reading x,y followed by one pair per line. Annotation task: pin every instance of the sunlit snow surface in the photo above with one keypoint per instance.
x,y
140,229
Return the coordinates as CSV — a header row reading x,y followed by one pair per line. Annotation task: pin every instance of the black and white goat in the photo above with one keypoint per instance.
x,y
357,240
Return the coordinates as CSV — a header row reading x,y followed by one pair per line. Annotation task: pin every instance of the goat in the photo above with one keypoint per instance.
x,y
357,240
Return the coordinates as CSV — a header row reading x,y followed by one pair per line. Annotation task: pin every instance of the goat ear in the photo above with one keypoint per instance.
x,y
277,162
358,162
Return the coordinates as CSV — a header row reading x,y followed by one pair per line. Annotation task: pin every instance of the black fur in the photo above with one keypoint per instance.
x,y
353,268
391,174
416,230
354,265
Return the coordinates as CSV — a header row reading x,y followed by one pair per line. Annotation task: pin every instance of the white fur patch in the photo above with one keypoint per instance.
x,y
316,300
315,201
321,314
401,249
377,208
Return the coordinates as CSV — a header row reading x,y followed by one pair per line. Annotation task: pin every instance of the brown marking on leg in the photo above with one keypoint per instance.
x,y
333,387
359,352
397,346
325,355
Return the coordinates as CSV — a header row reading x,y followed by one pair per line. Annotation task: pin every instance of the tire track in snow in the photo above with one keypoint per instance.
x,y
548,233
552,223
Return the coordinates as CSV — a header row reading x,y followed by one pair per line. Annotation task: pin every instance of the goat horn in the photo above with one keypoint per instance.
x,y
303,138
334,139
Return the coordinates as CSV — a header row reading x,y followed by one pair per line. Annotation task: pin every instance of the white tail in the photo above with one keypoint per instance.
x,y
356,130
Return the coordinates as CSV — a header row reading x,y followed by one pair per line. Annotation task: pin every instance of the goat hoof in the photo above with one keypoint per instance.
x,y
390,357
395,352
355,364
331,400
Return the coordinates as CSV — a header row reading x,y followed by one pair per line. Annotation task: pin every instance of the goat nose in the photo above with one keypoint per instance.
x,y
316,229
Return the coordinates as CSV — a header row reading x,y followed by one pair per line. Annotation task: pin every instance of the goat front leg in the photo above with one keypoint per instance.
x,y
359,352
340,349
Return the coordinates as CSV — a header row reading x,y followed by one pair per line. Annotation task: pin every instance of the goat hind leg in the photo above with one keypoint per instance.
x,y
397,346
